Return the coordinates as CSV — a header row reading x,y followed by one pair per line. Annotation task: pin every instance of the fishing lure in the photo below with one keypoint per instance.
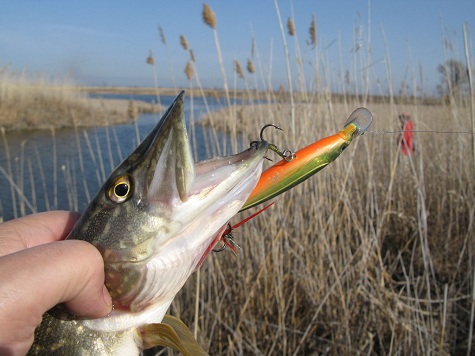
x,y
296,167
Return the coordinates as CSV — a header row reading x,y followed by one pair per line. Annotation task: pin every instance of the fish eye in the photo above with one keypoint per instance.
x,y
120,190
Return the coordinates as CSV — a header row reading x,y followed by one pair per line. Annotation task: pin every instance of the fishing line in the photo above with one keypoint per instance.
x,y
422,131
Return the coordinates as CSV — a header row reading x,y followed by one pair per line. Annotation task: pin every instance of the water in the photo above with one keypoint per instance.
x,y
63,168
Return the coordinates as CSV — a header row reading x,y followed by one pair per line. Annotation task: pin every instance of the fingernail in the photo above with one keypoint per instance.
x,y
107,296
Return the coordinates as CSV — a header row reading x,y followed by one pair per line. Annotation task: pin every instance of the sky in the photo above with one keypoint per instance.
x,y
106,43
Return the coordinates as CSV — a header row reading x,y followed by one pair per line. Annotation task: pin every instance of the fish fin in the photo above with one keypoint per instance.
x,y
171,332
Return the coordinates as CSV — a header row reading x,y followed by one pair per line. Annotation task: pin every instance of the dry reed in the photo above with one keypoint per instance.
x,y
290,27
250,66
37,103
189,70
238,69
192,55
150,59
313,31
184,42
373,255
209,17
161,33
344,264
369,256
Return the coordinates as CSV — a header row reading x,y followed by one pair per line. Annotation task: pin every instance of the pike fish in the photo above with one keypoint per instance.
x,y
154,221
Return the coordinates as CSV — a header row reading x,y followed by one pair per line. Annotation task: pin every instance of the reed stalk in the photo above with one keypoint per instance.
x,y
9,172
18,190
370,256
163,40
302,86
191,71
289,76
151,60
472,123
209,17
471,91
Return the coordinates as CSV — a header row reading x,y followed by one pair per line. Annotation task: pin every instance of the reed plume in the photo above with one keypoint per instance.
x,y
313,31
209,17
250,66
184,42
189,70
150,58
238,69
291,27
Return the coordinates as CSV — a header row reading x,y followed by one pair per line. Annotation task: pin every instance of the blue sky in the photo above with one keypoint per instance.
x,y
102,42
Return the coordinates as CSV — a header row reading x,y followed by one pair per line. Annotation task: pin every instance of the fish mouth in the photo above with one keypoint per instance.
x,y
171,192
163,164
164,156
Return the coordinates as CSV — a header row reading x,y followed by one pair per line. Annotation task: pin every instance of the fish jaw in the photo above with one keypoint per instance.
x,y
155,234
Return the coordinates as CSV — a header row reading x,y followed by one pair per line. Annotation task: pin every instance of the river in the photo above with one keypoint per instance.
x,y
63,168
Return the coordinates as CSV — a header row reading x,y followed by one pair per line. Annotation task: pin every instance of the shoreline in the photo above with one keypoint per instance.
x,y
83,112
278,95
72,106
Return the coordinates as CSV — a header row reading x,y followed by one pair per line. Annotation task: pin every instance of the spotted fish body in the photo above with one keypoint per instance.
x,y
154,221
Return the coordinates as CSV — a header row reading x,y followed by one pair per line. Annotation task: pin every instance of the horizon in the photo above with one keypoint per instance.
x,y
96,44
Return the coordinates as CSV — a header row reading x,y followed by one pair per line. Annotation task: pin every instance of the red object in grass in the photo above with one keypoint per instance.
x,y
407,139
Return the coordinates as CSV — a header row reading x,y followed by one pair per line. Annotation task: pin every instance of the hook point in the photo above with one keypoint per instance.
x,y
266,126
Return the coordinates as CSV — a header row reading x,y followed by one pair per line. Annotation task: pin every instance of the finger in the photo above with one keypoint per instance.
x,y
34,230
73,270
36,279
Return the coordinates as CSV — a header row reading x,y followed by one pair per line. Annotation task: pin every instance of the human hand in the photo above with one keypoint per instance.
x,y
38,271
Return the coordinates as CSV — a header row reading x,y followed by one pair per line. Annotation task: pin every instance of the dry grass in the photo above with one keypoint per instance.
x,y
372,255
36,103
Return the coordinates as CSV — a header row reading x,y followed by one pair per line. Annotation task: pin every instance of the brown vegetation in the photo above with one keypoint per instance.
x,y
27,103
372,255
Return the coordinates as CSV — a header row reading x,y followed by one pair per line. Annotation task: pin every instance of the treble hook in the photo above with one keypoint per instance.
x,y
227,234
287,155
261,135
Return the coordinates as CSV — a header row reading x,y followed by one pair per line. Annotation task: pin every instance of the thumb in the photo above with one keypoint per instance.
x,y
36,279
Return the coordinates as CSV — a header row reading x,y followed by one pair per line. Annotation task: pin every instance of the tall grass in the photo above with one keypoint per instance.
x,y
370,256
373,255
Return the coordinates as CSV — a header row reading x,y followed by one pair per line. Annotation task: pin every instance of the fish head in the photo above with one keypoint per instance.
x,y
159,214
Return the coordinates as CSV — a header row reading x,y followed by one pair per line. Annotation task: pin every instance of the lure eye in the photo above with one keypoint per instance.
x,y
120,190
344,146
